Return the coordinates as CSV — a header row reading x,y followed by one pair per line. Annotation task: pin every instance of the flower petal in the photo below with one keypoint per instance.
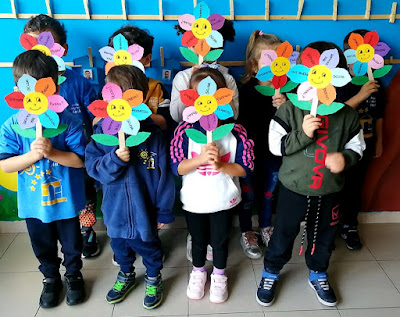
x,y
329,58
223,96
46,86
136,51
26,84
382,49
57,103
202,48
141,112
376,62
131,126
327,95
57,50
15,100
355,40
284,50
111,91
120,42
224,112
267,57
217,21
359,68
188,39
190,115
27,41
371,38
111,127
293,58
215,39
186,21
201,11
207,86
133,96
310,57
26,120
107,53
279,81
46,39
340,77
189,96
109,65
138,65
60,63
351,56
49,119
98,108
298,73
209,123
306,91
264,73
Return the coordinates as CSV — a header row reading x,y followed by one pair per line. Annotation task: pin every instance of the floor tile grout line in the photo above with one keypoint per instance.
x,y
9,246
37,311
388,277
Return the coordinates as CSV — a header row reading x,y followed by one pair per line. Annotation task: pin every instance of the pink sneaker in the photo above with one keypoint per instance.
x,y
195,288
218,288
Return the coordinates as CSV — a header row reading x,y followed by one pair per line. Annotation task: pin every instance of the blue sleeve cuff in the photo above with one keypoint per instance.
x,y
165,216
116,160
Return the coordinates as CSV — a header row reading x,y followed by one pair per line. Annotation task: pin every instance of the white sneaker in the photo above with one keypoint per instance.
x,y
209,255
189,248
218,288
266,234
195,288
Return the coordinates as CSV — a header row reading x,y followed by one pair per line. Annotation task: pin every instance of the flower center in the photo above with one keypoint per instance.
x,y
365,53
205,105
320,76
122,57
41,48
119,110
35,102
201,28
280,66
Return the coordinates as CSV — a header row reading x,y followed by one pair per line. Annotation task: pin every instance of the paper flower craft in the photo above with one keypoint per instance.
x,y
277,65
122,113
366,53
45,43
201,33
38,106
122,54
207,106
318,77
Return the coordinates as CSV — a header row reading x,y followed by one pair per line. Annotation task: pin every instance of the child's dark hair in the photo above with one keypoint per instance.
x,y
322,46
134,35
43,22
201,73
35,64
346,45
227,31
128,77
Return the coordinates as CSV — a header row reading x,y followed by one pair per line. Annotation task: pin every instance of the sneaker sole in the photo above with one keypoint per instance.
x,y
91,255
191,295
218,300
320,299
156,305
121,298
265,304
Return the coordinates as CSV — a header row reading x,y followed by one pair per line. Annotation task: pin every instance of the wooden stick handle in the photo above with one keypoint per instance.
x,y
314,106
277,92
121,139
39,130
370,74
209,136
200,60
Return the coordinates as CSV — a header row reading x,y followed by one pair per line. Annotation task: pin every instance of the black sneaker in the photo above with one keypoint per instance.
x,y
50,296
351,237
154,292
265,295
123,285
320,284
75,289
90,246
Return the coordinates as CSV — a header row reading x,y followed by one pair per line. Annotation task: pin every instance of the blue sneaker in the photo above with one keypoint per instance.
x,y
266,290
123,285
154,292
320,284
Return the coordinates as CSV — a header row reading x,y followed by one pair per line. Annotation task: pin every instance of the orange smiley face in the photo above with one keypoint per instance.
x,y
365,53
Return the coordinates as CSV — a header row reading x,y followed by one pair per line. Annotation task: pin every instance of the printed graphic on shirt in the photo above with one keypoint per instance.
x,y
335,215
206,169
147,158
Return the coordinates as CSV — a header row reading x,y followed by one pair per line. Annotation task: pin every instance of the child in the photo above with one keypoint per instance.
x,y
369,102
210,223
258,186
79,94
137,198
58,161
296,135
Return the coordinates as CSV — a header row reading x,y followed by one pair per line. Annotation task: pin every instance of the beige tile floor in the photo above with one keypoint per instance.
x,y
367,282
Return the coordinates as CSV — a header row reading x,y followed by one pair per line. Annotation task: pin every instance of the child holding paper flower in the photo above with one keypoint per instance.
x,y
210,171
138,189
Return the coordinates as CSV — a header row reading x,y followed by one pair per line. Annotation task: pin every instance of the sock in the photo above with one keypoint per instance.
x,y
270,274
315,275
153,278
218,271
201,269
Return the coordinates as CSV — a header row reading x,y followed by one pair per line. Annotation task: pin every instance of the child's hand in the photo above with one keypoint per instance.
x,y
43,146
123,154
216,162
335,162
36,150
208,153
278,100
378,149
160,225
368,89
310,124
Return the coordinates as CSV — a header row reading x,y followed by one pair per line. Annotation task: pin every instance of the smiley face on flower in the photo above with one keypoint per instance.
x,y
122,54
207,104
37,102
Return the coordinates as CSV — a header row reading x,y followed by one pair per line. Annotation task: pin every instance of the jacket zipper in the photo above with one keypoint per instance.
x,y
130,226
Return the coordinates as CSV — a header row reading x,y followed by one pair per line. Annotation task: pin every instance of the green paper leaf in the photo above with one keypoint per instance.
x,y
322,109
105,139
378,73
189,55
51,133
265,90
290,85
134,140
213,55
222,131
359,80
26,133
61,79
196,136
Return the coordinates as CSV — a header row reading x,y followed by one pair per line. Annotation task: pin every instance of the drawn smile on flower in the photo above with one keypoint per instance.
x,y
36,103
320,76
365,52
122,58
280,66
119,110
205,105
201,28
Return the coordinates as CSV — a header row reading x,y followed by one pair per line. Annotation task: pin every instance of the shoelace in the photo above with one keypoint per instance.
x,y
267,283
118,286
324,284
250,239
151,290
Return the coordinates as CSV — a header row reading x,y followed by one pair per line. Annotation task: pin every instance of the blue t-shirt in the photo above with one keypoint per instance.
x,y
47,190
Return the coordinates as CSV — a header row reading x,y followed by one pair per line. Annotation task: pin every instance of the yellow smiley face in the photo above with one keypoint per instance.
x,y
119,110
44,49
122,57
201,28
280,66
36,103
205,105
320,76
365,53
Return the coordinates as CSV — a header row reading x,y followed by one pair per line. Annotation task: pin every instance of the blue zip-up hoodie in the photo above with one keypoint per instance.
x,y
136,194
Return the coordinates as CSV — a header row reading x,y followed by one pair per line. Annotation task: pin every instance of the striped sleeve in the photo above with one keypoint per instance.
x,y
245,148
179,146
